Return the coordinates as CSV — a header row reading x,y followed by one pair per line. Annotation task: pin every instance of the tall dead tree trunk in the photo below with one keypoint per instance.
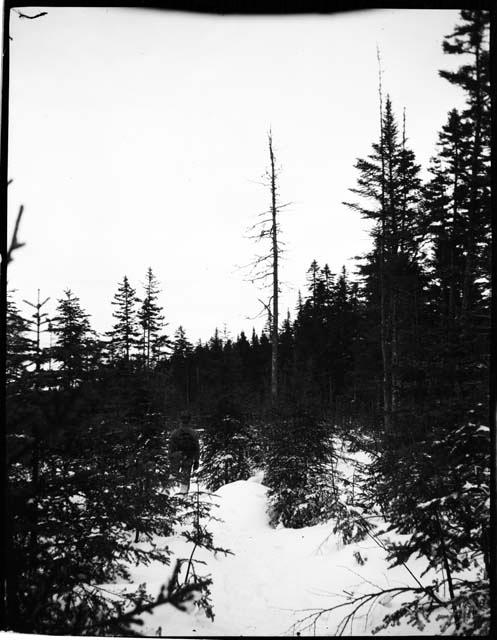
x,y
265,268
274,248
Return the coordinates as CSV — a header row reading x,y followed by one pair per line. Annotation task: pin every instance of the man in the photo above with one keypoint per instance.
x,y
184,453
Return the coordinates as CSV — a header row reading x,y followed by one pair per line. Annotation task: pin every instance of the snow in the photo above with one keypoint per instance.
x,y
274,575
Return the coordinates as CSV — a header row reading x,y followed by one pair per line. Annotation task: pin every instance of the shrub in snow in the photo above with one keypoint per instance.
x,y
79,493
226,449
299,453
438,494
196,510
347,512
349,523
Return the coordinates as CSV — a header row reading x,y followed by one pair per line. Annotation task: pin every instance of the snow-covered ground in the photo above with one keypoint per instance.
x,y
276,576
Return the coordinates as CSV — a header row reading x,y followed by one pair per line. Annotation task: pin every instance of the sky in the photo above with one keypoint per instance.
x,y
138,138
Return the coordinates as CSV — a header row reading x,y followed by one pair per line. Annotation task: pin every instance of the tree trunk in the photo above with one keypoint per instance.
x,y
395,354
452,249
274,324
385,352
448,573
187,387
473,201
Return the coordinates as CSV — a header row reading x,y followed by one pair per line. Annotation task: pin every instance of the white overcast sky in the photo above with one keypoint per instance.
x,y
138,138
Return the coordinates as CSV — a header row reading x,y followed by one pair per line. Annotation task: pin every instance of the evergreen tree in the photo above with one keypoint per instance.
x,y
298,455
242,347
445,195
342,335
286,350
457,204
389,191
313,280
74,340
153,342
470,37
71,521
437,496
123,338
434,483
227,446
180,364
19,352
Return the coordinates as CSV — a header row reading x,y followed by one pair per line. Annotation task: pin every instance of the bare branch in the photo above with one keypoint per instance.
x,y
266,305
259,260
259,277
264,213
359,576
262,184
14,243
312,618
282,206
258,236
258,224
256,317
266,309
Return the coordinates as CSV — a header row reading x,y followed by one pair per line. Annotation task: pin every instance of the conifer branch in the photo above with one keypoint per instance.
x,y
174,594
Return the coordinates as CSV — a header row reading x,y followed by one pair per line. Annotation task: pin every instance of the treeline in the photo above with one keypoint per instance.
x,y
395,355
317,352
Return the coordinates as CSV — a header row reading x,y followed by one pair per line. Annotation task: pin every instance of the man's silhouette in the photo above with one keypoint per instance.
x,y
184,452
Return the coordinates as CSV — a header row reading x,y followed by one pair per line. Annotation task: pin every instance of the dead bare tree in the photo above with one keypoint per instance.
x,y
265,268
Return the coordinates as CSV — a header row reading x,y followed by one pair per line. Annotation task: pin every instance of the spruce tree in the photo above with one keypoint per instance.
x,y
445,197
313,279
297,458
123,338
227,446
286,350
74,340
434,484
19,352
457,204
153,342
180,364
389,194
470,37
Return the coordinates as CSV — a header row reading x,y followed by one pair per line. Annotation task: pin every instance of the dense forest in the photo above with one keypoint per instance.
x,y
394,356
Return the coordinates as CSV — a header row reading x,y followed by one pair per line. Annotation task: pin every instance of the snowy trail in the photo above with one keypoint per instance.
x,y
273,575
